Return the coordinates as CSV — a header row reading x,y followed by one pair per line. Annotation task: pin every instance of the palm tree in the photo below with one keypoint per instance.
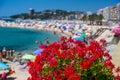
x,y
84,18
100,17
91,19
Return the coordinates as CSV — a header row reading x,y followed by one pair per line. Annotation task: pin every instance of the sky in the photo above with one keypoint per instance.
x,y
12,7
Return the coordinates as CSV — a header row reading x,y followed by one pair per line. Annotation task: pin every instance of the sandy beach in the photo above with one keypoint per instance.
x,y
21,73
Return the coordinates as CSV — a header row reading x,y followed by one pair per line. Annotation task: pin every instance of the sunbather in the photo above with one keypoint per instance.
x,y
4,75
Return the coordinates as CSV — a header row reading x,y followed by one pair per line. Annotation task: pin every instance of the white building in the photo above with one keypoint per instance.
x,y
113,13
31,11
100,12
118,11
110,13
106,13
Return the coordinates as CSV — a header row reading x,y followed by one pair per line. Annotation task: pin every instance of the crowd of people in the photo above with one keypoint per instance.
x,y
7,54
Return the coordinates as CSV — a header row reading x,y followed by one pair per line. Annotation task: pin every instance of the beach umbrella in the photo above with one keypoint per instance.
x,y
36,52
71,28
76,27
77,32
3,65
85,26
83,35
88,34
78,38
80,30
64,28
28,57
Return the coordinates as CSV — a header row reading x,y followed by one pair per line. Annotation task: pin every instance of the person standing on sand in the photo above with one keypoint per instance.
x,y
12,53
4,52
17,58
0,56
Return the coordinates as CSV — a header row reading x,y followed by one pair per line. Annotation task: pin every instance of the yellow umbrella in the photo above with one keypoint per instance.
x,y
28,56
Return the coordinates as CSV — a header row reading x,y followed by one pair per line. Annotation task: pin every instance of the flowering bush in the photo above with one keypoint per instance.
x,y
72,60
116,30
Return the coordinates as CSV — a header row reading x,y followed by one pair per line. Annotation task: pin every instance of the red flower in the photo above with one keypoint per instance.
x,y
108,63
62,60
39,78
117,77
53,62
107,56
57,73
85,64
29,78
70,40
48,77
69,71
74,77
102,40
118,69
62,55
80,52
63,38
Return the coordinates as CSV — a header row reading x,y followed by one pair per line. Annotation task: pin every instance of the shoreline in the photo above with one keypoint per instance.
x,y
56,30
38,29
50,26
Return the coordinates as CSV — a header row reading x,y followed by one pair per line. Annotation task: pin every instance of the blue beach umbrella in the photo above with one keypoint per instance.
x,y
36,52
3,66
78,38
64,28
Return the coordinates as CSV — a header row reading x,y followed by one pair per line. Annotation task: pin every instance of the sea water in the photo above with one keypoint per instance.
x,y
24,40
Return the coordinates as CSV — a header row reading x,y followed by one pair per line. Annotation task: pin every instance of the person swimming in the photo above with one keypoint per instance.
x,y
47,41
36,41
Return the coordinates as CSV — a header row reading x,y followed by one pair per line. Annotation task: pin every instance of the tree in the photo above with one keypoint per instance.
x,y
91,19
100,17
84,18
46,14
94,17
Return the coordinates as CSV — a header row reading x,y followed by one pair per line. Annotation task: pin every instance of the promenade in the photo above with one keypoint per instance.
x,y
116,55
116,52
